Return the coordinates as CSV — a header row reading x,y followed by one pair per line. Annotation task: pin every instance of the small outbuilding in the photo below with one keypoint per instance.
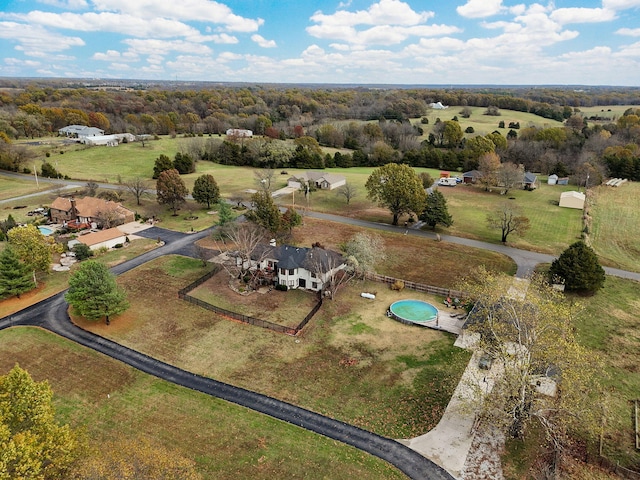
x,y
471,176
572,199
553,179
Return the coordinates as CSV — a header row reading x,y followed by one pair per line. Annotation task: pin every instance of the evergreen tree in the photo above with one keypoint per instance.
x,y
265,212
184,163
162,164
15,276
94,293
205,190
579,269
436,211
225,214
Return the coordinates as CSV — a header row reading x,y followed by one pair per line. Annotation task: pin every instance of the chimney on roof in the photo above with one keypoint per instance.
x,y
272,242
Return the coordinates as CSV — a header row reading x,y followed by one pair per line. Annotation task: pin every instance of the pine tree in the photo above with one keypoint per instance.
x,y
15,276
579,269
436,211
93,292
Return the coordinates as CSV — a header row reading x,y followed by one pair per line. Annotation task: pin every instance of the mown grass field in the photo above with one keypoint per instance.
x,y
615,227
483,124
109,400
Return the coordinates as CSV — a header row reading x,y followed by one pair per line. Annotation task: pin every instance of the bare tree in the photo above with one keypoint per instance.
x,y
509,175
328,267
264,178
138,187
506,219
108,218
348,191
91,188
249,249
363,251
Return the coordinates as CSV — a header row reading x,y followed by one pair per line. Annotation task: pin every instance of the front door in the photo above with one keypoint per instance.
x,y
302,283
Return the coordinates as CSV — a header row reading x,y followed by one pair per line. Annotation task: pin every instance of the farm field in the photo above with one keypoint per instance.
x,y
12,187
111,401
615,226
351,362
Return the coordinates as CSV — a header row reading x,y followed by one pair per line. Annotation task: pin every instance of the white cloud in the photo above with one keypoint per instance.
x,y
480,8
186,10
154,46
263,42
108,56
620,4
34,40
583,15
385,12
119,66
631,32
66,4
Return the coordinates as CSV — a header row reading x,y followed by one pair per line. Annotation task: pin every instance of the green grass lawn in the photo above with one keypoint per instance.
x,y
615,228
11,187
107,399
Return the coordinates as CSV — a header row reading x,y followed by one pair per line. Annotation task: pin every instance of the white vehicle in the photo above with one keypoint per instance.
x,y
447,182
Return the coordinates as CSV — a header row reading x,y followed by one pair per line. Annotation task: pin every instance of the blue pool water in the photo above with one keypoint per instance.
x,y
413,311
46,231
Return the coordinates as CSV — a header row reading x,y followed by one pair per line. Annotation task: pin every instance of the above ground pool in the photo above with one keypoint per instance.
x,y
46,231
413,312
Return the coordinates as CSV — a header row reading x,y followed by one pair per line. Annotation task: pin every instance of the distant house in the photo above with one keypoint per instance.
x,y
572,199
104,238
80,131
438,106
553,179
297,267
471,177
530,181
109,140
239,132
322,180
88,210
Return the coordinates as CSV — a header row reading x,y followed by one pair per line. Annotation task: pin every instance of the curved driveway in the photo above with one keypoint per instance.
x,y
51,314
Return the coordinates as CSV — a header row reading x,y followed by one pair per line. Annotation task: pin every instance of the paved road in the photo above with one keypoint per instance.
x,y
51,314
524,259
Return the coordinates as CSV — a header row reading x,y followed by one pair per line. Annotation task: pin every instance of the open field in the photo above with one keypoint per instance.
x,y
351,361
483,124
110,400
610,325
12,187
615,228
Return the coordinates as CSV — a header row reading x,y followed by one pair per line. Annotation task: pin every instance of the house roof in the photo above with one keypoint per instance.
x,y
530,177
82,130
472,174
89,207
102,236
315,176
290,257
573,194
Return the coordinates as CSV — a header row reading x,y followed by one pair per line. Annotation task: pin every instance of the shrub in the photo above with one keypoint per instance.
x,y
118,245
282,288
469,130
398,285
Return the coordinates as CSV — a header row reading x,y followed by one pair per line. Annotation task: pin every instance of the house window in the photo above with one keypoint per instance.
x,y
270,264
292,271
283,271
314,285
283,282
313,275
292,283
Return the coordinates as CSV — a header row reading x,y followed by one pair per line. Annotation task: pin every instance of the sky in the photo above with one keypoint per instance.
x,y
410,42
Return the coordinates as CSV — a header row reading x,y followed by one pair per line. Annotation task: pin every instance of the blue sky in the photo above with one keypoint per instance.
x,y
588,42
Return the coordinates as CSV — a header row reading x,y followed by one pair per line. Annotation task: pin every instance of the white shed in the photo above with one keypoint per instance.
x,y
553,179
572,199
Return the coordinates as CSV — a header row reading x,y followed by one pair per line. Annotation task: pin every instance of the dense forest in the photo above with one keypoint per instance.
x,y
370,126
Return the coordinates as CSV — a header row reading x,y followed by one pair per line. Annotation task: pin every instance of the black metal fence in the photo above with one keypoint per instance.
x,y
184,295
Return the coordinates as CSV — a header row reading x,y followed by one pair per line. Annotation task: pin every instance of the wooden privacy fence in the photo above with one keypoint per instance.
x,y
419,287
184,295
